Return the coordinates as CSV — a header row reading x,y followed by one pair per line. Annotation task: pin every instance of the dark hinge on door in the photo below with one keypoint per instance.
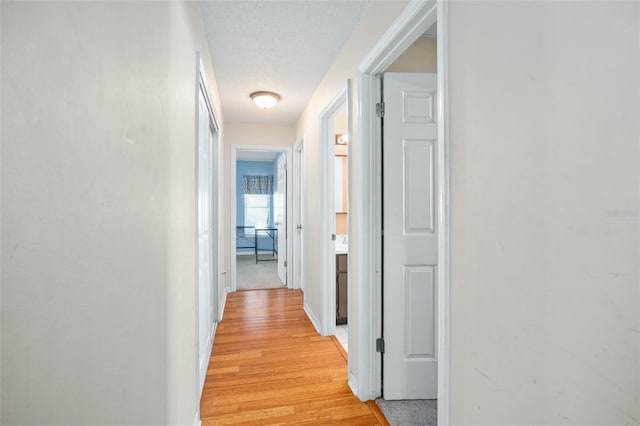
x,y
380,345
380,109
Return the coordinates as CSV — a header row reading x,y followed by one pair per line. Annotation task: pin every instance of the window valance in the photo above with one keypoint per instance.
x,y
256,184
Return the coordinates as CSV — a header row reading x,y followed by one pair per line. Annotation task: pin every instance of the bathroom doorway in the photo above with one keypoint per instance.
x,y
335,136
341,197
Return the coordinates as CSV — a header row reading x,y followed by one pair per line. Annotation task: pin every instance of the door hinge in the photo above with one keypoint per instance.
x,y
380,345
285,263
333,237
380,109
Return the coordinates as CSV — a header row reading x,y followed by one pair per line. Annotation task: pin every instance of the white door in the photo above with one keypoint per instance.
x,y
281,217
205,258
410,241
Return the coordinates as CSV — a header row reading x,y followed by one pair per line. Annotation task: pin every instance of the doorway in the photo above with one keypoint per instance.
x,y
334,149
261,212
369,382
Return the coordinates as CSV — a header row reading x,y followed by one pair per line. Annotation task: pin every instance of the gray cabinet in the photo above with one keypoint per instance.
x,y
341,288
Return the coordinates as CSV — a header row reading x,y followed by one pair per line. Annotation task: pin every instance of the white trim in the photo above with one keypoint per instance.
x,y
298,215
202,86
412,22
350,294
328,211
288,150
444,239
367,370
196,420
312,318
223,303
232,220
289,197
209,351
353,383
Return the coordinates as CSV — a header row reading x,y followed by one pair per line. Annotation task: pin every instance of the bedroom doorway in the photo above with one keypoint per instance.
x,y
260,225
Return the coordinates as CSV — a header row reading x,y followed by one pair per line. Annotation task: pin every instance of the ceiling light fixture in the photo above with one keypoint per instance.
x,y
265,100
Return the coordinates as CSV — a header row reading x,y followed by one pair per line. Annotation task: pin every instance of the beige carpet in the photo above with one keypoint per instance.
x,y
410,412
252,276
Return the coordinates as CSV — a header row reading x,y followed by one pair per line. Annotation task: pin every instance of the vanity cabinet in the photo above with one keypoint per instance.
x,y
341,288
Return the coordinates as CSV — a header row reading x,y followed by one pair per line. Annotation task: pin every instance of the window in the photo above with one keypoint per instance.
x,y
257,211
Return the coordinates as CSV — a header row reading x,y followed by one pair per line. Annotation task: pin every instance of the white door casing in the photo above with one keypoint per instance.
x,y
328,210
206,269
298,217
207,245
410,245
281,217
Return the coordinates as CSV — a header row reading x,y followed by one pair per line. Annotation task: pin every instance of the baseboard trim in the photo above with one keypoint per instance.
x,y
312,318
223,303
196,420
352,381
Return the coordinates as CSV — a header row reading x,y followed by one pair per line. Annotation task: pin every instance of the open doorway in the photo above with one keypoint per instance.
x,y
341,197
422,215
335,131
260,217
410,243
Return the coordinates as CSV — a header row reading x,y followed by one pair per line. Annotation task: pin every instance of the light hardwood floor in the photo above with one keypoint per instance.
x,y
269,366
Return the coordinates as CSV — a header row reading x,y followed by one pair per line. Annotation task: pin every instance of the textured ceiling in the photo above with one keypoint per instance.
x,y
280,46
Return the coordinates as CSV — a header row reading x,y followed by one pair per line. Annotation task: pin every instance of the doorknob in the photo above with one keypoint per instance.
x,y
299,227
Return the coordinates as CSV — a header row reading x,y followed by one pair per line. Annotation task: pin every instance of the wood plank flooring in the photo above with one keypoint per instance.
x,y
270,367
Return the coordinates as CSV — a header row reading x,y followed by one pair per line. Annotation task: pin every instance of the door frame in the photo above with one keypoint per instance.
x,y
366,380
327,206
202,86
298,216
235,149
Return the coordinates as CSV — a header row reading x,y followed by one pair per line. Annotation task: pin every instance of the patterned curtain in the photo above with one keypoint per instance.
x,y
254,184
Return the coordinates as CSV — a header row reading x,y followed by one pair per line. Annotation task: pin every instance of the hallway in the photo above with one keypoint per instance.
x,y
269,366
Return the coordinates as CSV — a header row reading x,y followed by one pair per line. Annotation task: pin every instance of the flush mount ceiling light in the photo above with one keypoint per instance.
x,y
265,100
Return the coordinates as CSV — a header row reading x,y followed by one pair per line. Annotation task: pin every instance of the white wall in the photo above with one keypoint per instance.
x,y
376,19
98,212
245,134
544,140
